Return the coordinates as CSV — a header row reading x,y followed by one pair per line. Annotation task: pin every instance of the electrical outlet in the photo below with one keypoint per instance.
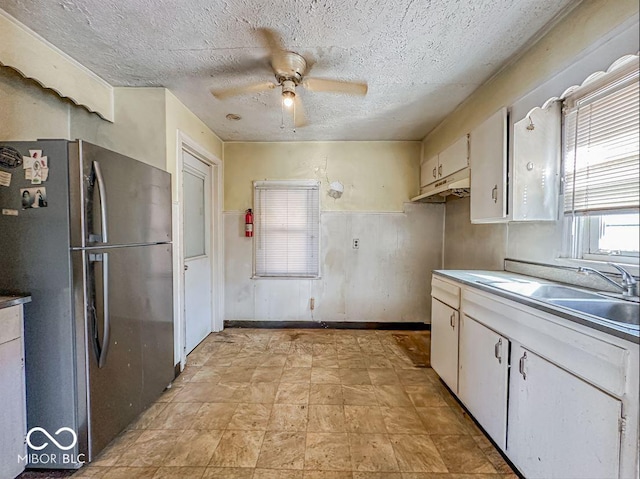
x,y
356,243
312,303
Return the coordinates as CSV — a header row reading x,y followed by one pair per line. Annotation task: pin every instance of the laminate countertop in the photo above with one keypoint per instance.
x,y
483,280
8,299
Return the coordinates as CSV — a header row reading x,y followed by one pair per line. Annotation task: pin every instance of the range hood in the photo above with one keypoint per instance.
x,y
457,184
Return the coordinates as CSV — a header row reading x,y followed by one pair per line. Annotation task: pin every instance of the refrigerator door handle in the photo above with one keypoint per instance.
x,y
102,192
101,351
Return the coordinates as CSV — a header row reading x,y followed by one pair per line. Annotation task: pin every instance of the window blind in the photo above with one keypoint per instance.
x,y
287,228
601,149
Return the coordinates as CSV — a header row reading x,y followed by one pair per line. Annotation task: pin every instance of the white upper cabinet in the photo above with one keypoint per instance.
x,y
488,160
536,165
429,171
454,158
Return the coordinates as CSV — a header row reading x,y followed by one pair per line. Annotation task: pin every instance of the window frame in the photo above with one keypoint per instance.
x,y
286,184
582,229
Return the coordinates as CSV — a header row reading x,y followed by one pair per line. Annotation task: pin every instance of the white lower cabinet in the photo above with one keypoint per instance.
x,y
444,343
559,425
484,375
12,413
560,399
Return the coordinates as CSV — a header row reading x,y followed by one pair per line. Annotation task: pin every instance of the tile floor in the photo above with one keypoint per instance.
x,y
303,404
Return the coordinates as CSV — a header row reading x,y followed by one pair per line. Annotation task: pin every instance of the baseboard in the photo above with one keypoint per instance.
x,y
326,325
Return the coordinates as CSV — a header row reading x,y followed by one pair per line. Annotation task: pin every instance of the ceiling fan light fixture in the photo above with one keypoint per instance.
x,y
288,93
288,98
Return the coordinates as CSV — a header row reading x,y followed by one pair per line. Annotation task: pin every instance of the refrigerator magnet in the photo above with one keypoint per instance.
x,y
36,173
10,157
5,178
33,198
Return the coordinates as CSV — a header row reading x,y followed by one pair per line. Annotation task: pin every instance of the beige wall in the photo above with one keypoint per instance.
x,y
377,176
591,20
468,246
138,130
28,112
180,118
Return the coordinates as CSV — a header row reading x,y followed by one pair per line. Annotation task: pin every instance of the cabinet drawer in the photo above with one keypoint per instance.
x,y
446,292
10,323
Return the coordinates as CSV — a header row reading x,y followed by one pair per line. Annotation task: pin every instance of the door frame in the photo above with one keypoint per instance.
x,y
216,246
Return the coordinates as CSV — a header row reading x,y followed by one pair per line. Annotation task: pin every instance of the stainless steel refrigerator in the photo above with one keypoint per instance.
x,y
92,244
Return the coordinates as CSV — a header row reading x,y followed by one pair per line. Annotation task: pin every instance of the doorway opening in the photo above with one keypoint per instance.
x,y
198,250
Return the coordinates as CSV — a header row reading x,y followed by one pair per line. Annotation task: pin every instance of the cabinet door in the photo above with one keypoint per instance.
x,y
559,425
454,158
536,164
482,384
488,159
12,412
429,171
444,343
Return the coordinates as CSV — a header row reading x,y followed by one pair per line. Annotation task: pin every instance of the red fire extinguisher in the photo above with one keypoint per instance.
x,y
248,223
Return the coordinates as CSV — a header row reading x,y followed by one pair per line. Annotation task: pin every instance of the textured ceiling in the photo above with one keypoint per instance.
x,y
420,58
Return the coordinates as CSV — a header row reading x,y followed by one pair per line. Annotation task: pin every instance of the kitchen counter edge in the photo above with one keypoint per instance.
x,y
8,300
467,277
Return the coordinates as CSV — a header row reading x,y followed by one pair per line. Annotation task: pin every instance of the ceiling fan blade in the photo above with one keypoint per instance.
x,y
224,93
272,42
335,86
300,115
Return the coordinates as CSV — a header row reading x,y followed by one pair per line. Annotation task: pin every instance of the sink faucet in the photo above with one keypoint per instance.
x,y
629,284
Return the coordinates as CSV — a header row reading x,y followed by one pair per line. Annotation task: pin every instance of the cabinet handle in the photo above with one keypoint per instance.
x,y
494,194
452,320
497,351
440,170
434,172
521,366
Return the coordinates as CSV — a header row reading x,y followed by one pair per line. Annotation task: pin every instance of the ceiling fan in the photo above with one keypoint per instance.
x,y
290,70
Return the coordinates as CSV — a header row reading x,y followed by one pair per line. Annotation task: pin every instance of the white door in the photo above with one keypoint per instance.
x,y
482,382
559,425
444,343
196,177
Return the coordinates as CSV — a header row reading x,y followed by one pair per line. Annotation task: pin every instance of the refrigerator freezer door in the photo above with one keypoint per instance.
x,y
129,332
122,201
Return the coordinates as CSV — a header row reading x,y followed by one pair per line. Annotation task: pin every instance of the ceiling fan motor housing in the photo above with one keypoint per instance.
x,y
289,66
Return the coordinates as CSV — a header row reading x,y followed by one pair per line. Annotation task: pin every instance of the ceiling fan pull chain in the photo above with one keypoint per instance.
x,y
282,116
294,117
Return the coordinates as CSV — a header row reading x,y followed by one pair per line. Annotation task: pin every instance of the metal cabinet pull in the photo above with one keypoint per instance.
x,y
452,320
521,366
440,170
497,351
494,194
434,172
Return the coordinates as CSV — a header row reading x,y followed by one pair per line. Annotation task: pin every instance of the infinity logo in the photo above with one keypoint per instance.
x,y
44,431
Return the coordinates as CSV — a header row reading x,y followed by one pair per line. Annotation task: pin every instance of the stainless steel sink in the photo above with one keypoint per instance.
x,y
545,291
624,312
